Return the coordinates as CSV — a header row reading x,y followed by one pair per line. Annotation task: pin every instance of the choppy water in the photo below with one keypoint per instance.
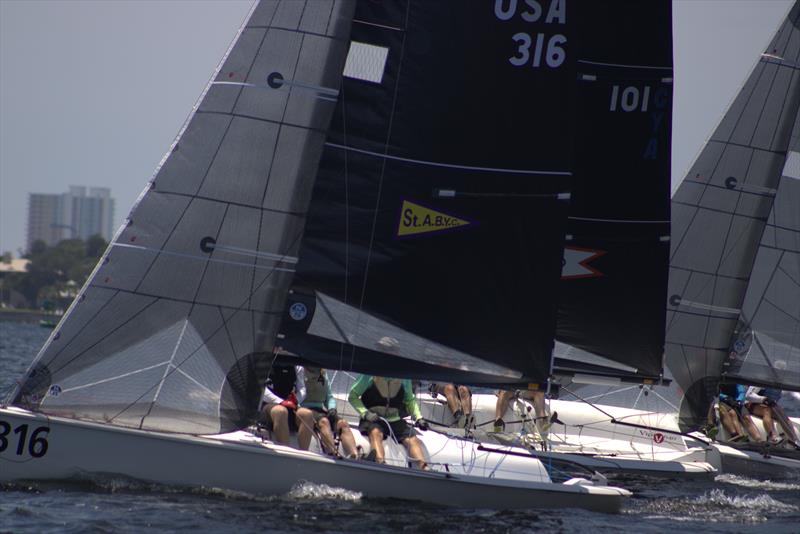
x,y
729,504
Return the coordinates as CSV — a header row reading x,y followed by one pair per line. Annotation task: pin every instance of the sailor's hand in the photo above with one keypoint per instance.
x,y
371,416
332,413
421,423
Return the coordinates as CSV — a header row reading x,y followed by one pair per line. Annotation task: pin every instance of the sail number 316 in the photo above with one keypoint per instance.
x,y
36,445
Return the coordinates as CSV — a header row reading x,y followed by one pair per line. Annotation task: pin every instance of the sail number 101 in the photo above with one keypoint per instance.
x,y
36,445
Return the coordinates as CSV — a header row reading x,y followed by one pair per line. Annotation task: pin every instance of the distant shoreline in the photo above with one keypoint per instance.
x,y
26,316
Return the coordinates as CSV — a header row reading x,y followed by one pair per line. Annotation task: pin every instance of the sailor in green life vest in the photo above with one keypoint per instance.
x,y
379,401
319,399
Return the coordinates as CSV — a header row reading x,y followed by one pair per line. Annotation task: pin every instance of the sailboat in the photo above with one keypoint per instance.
x,y
734,293
426,143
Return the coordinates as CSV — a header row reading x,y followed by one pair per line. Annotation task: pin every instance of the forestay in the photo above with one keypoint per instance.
x,y
720,213
163,334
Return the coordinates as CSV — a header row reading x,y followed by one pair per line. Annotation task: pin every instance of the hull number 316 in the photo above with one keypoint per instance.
x,y
34,443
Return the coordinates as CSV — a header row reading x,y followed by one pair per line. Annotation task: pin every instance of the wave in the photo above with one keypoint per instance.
x,y
309,490
714,506
767,485
117,484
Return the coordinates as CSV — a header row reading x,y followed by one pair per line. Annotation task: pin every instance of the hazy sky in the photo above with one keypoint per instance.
x,y
92,93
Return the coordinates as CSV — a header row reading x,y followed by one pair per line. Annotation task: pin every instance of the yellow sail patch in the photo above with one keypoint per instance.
x,y
416,219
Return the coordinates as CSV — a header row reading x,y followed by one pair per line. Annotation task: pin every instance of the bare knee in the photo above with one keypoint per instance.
x,y
449,389
376,434
278,412
324,424
463,391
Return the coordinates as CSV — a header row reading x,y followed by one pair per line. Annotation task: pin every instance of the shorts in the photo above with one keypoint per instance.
x,y
400,428
268,418
732,404
319,415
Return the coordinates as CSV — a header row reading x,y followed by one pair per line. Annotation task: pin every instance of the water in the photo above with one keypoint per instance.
x,y
729,504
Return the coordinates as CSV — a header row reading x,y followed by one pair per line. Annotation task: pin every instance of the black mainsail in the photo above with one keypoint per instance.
x,y
618,232
603,118
441,199
725,217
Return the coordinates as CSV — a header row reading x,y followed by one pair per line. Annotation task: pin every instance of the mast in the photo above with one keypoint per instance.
x,y
720,212
170,331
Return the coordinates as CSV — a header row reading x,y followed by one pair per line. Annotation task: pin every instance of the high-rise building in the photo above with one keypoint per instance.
x,y
79,213
44,218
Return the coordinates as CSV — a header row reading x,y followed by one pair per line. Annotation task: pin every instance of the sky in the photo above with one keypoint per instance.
x,y
93,93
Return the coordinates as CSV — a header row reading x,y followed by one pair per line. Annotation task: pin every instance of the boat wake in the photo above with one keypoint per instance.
x,y
715,506
767,485
309,490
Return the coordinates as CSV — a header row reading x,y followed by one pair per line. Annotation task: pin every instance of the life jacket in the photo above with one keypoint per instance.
x,y
386,397
316,389
281,380
734,391
771,393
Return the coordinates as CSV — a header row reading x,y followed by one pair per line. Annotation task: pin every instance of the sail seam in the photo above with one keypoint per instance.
x,y
379,25
789,276
259,119
233,203
185,301
743,188
103,337
624,66
709,273
447,165
751,147
304,32
208,262
87,323
716,210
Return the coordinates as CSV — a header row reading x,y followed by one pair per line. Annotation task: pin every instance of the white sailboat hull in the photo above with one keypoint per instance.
x,y
755,464
243,462
591,439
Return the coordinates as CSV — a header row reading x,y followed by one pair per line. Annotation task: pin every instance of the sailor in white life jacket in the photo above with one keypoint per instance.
x,y
284,391
319,399
763,402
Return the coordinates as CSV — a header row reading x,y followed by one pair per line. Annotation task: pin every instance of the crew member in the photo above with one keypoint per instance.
x,y
382,404
763,402
319,399
284,391
459,400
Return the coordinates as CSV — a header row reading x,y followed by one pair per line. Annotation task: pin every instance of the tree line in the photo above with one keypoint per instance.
x,y
56,273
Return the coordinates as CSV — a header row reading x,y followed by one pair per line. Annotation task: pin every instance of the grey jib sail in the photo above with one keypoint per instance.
x,y
766,350
163,334
720,213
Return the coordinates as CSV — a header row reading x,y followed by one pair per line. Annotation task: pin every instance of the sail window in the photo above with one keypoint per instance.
x,y
366,62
